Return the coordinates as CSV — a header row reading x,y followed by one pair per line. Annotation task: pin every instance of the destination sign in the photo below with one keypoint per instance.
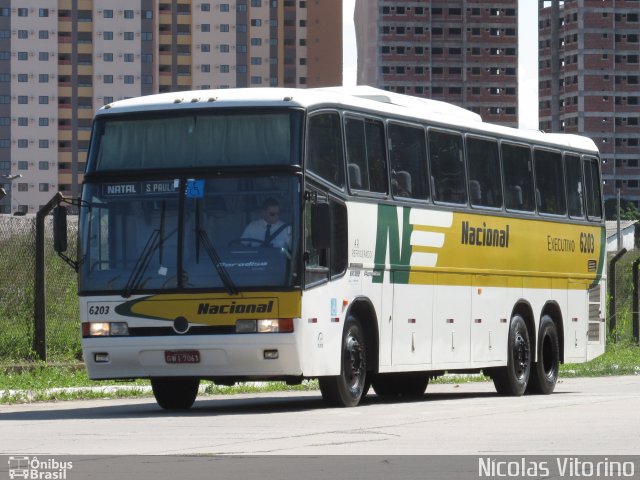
x,y
140,188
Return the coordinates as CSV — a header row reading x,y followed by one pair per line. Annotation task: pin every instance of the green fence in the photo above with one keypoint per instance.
x,y
17,288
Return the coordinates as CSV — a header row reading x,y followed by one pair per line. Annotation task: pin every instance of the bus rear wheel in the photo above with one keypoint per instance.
x,y
410,384
346,389
175,393
544,373
512,380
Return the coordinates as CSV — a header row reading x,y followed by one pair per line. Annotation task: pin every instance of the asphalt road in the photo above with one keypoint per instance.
x,y
589,416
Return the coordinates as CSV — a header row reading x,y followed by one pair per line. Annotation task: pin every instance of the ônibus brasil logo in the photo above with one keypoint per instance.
x,y
38,469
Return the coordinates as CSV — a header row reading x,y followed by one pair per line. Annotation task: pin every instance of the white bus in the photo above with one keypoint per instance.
x,y
406,239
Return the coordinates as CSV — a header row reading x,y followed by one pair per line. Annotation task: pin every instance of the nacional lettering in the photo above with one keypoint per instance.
x,y
233,308
482,236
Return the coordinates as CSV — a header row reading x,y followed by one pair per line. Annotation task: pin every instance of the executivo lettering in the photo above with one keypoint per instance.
x,y
485,237
233,307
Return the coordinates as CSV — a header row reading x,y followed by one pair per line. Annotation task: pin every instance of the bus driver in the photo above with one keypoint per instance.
x,y
268,230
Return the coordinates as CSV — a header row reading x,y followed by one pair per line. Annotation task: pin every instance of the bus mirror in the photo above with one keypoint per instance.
x,y
321,226
60,229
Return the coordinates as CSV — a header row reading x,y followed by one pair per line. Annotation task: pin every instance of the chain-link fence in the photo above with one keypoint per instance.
x,y
624,298
17,292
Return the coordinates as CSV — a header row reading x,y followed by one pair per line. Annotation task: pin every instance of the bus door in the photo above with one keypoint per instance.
x,y
411,318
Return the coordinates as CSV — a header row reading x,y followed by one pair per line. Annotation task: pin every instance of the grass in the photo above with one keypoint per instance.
x,y
48,382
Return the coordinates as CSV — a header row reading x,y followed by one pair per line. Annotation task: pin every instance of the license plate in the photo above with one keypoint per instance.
x,y
182,356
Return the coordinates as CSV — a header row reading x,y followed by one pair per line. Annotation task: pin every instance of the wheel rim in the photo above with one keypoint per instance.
x,y
354,364
520,356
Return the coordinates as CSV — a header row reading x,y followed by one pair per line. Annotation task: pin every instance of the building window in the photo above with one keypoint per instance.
x,y
43,143
205,27
128,79
205,68
205,7
43,34
43,56
107,57
128,57
23,56
128,14
147,14
23,164
23,99
107,35
256,42
43,187
256,61
146,58
23,34
224,7
43,122
146,36
206,48
224,27
23,187
43,100
107,13
128,35
23,12
256,22
43,165
241,7
224,68
108,78
43,12
23,143
23,77
147,79
256,80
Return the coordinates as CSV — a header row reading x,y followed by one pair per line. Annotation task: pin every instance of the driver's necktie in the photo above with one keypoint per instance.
x,y
267,234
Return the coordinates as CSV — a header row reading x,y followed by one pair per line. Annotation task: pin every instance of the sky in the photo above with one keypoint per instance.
x,y
527,58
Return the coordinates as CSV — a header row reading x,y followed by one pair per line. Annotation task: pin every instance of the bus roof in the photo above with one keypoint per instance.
x,y
360,97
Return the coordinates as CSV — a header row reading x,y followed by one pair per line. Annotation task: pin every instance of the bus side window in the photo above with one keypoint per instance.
x,y
447,167
518,177
594,195
485,184
366,158
324,147
408,160
549,184
574,184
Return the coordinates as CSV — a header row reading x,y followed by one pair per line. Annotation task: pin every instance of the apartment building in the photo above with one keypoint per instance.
x,y
60,60
590,82
461,51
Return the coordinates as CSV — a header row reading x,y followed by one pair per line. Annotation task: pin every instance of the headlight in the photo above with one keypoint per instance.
x,y
105,329
269,325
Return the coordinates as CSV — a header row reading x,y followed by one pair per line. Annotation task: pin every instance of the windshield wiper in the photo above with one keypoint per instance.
x,y
153,243
215,259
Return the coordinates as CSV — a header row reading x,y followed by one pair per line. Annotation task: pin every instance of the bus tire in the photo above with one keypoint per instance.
x,y
346,389
410,384
512,380
175,393
544,372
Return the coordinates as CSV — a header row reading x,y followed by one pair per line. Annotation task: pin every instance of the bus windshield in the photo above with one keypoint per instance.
x,y
196,139
189,234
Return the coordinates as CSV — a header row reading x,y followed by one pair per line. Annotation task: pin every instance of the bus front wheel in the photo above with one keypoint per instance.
x,y
346,389
544,373
175,393
512,380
